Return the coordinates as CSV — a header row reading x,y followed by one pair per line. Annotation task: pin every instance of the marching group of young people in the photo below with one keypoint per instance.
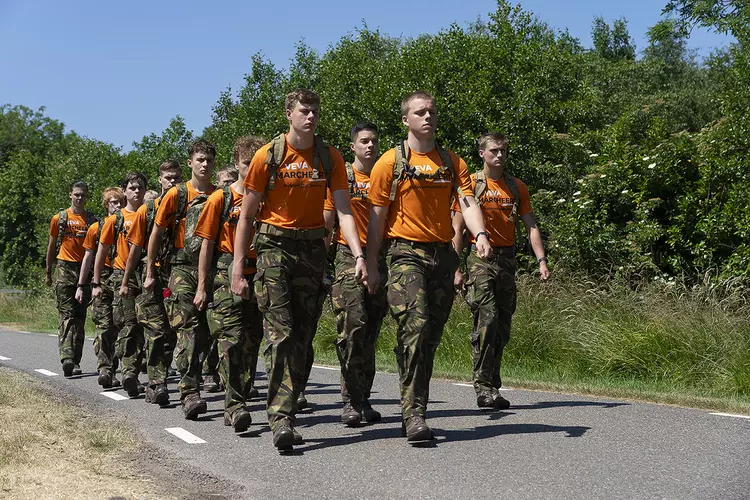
x,y
205,272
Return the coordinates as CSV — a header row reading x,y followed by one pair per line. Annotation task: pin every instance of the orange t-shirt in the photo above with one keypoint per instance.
x,y
208,224
421,210
91,242
296,202
497,204
74,235
360,206
108,237
165,214
137,234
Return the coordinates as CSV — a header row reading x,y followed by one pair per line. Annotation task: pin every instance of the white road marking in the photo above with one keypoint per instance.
x,y
21,331
327,368
46,372
49,334
731,415
3,358
470,385
464,385
184,435
114,395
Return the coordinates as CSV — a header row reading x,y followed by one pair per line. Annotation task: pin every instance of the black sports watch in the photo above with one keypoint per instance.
x,y
542,259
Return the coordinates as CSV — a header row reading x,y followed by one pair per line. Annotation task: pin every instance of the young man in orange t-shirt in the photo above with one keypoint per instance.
x,y
113,199
237,324
359,315
160,338
129,344
491,287
291,250
414,214
190,323
67,232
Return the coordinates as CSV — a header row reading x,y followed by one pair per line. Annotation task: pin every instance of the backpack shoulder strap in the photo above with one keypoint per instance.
x,y
400,167
119,224
480,187
513,187
448,165
323,155
62,225
350,178
227,207
276,153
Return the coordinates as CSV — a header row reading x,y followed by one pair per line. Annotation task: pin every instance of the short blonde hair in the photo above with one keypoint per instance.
x,y
302,96
419,94
112,193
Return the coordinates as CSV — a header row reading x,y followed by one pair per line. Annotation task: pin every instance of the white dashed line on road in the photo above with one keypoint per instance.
x,y
51,335
46,372
470,385
464,385
114,395
3,358
184,435
731,415
327,368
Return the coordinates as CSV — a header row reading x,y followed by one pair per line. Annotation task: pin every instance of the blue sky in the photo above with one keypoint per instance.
x,y
117,71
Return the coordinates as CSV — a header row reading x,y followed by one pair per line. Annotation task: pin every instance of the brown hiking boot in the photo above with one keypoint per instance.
x,y
302,402
67,367
369,414
500,402
115,382
105,379
417,430
211,383
193,405
350,416
485,400
131,385
161,395
77,369
240,420
251,393
283,434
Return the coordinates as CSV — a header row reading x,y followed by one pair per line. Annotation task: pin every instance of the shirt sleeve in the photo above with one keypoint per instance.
x,y
137,232
165,215
456,206
257,174
54,225
381,179
524,205
90,243
208,222
338,175
108,230
464,178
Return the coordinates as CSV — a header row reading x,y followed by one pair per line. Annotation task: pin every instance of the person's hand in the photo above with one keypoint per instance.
x,y
148,283
240,286
484,250
201,299
48,279
124,290
373,280
543,271
458,280
96,291
79,295
360,271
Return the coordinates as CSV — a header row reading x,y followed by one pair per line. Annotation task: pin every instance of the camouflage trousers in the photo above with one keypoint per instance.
x,y
359,317
323,294
190,324
129,344
287,286
491,295
70,336
237,327
159,337
420,296
106,333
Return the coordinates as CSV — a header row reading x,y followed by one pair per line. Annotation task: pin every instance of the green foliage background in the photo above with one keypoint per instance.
x,y
637,162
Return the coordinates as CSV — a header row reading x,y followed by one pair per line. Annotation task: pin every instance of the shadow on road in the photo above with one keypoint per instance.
x,y
570,404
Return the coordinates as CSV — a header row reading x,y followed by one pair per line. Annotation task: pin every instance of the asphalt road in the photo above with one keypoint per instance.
x,y
547,445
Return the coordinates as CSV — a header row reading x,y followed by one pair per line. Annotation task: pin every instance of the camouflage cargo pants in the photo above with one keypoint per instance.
x,y
190,324
129,344
323,294
287,286
159,337
106,333
237,326
70,336
420,296
491,295
359,317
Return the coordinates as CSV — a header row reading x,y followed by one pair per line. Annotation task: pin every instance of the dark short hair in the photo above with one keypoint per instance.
x,y
359,127
170,165
79,185
408,98
302,96
201,146
497,137
245,146
135,177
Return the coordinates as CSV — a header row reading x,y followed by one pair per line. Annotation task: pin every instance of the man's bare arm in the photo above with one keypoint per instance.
x,y
134,257
537,245
329,216
474,220
51,246
375,229
154,242
349,228
204,266
250,204
458,244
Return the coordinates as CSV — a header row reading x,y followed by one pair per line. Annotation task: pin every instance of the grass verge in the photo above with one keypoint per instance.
x,y
52,450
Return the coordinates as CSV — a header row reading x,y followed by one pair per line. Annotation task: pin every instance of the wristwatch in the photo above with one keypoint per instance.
x,y
541,259
480,233
359,257
95,285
